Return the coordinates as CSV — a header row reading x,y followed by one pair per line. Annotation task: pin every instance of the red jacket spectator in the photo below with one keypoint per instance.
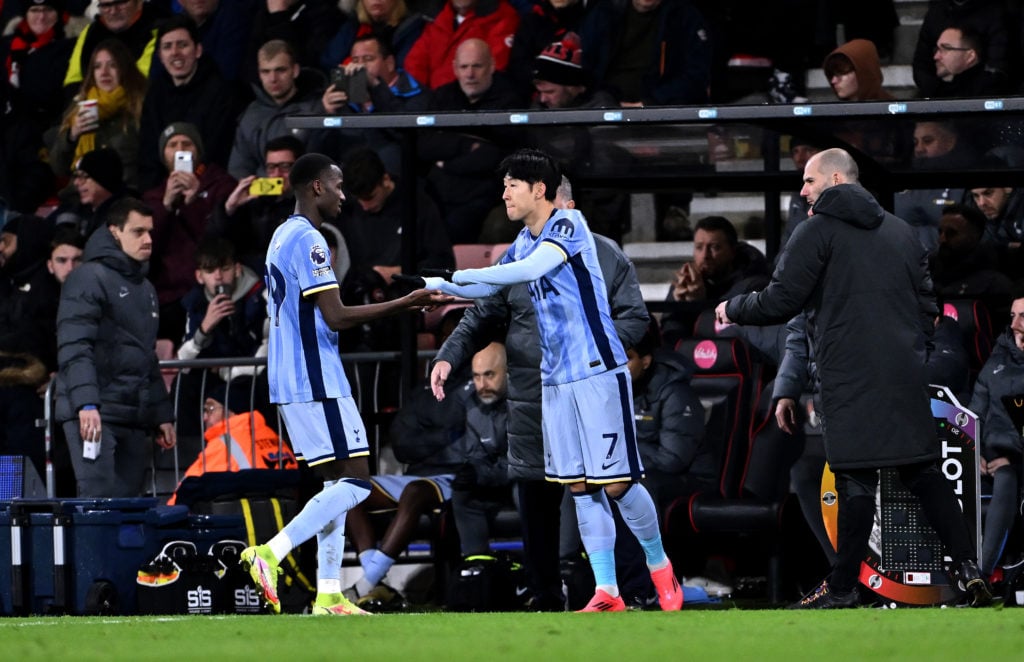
x,y
430,59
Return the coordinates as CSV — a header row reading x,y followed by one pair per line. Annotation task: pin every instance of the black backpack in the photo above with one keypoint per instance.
x,y
487,583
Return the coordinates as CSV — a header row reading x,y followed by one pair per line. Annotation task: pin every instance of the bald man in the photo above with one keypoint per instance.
x,y
861,277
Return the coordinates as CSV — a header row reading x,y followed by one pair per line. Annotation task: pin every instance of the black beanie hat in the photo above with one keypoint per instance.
x,y
104,166
561,63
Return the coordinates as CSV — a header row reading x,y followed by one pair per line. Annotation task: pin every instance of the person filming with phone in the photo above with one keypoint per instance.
x,y
371,81
182,205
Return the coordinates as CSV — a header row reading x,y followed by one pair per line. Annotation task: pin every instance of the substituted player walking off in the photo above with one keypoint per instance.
x,y
587,400
308,383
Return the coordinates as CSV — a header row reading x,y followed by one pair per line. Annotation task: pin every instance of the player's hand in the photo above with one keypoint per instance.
x,y
426,298
438,376
720,315
785,415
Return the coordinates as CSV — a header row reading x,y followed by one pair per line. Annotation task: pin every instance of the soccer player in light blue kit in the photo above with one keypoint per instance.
x,y
587,401
308,383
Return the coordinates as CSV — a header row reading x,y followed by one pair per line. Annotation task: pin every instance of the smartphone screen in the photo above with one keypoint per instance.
x,y
183,161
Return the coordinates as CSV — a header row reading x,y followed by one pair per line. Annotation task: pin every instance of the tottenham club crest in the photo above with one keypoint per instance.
x,y
563,227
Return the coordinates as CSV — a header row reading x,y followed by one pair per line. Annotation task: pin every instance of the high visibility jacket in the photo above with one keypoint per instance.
x,y
230,446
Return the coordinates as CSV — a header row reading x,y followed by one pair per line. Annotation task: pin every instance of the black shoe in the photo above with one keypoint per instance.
x,y
973,584
824,597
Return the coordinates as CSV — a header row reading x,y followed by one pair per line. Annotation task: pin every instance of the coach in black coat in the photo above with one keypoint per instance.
x,y
858,272
861,276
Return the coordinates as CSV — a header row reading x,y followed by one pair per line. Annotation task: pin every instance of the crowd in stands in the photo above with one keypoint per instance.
x,y
182,104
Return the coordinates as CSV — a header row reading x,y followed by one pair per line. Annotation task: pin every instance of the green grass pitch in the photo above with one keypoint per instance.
x,y
701,635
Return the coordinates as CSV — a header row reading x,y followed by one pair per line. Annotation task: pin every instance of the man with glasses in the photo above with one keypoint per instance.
x,y
248,220
130,21
960,65
186,87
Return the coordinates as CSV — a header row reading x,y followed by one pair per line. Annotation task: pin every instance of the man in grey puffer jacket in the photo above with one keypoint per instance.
x,y
109,387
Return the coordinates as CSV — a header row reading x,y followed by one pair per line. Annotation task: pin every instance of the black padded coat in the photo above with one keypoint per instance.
x,y
861,276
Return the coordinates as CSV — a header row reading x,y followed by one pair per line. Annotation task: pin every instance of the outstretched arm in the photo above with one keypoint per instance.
x,y
339,316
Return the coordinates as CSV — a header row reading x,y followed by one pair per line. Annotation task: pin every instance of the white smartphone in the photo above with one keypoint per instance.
x,y
183,161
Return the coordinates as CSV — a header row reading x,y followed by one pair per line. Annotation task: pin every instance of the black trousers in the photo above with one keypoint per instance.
x,y
856,489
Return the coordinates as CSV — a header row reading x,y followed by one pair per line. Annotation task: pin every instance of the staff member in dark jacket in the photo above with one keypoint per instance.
x,y
999,389
867,325
539,501
109,387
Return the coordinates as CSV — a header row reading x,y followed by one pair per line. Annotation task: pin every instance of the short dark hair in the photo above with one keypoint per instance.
x,y
533,166
385,48
975,218
308,168
214,253
719,224
973,39
118,213
286,142
838,64
178,22
67,235
650,341
364,171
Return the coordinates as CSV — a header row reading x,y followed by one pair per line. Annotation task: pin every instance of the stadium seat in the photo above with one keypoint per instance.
x,y
755,512
474,256
976,325
721,377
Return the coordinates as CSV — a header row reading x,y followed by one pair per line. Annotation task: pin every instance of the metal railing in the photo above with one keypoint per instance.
x,y
365,370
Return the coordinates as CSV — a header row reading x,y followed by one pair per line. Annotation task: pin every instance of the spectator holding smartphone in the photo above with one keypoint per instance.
x,y
182,205
225,316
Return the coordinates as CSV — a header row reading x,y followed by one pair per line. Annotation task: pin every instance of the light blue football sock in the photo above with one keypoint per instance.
x,y
597,531
376,567
330,503
641,516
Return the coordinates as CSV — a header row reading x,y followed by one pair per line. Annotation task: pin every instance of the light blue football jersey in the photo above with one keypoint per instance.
x,y
577,336
303,361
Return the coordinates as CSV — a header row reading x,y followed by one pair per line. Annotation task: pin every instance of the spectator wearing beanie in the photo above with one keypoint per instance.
x,y
97,183
182,205
560,81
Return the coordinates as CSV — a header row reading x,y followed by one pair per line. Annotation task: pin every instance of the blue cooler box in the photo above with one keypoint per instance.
x,y
81,556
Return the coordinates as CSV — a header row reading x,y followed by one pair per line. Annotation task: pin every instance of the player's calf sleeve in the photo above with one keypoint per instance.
x,y
331,502
641,516
597,531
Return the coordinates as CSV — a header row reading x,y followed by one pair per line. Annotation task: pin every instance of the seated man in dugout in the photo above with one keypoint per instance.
x,y
722,267
237,437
